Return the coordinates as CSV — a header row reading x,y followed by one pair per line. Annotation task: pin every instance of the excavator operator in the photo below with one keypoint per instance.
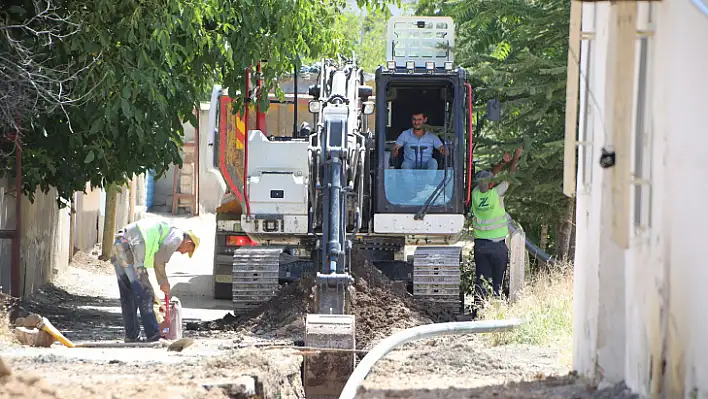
x,y
490,224
146,244
418,145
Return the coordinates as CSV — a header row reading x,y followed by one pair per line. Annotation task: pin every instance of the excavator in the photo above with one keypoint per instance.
x,y
301,204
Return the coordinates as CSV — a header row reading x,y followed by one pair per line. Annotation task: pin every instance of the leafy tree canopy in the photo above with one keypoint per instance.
x,y
364,34
147,63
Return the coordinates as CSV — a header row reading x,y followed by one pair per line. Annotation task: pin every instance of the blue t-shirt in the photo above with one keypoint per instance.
x,y
407,138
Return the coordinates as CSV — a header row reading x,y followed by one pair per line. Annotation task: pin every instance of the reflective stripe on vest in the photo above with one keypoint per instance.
x,y
154,232
490,220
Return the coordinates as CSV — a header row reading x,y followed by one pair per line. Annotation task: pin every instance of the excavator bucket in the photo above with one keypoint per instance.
x,y
326,372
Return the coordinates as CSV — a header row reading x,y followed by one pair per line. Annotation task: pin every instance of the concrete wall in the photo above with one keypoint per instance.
x,y
86,218
639,314
45,239
45,244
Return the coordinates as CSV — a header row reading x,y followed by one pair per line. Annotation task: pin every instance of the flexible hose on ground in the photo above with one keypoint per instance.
x,y
414,334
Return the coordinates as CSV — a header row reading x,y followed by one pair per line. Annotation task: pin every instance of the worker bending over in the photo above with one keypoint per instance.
x,y
490,225
146,244
418,144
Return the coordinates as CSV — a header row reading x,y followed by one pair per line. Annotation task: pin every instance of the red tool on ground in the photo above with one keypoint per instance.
x,y
171,327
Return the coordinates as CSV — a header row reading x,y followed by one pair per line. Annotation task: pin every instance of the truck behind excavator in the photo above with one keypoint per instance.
x,y
301,204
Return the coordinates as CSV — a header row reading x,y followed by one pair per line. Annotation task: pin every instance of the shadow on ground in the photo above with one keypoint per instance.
x,y
198,285
569,386
64,310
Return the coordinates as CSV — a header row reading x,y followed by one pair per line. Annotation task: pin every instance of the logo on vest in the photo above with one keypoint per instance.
x,y
483,202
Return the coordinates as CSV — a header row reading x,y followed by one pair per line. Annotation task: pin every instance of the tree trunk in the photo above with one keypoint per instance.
x,y
565,231
571,253
131,200
109,226
72,228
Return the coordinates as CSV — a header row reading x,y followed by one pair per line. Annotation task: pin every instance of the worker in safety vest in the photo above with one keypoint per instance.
x,y
490,225
146,244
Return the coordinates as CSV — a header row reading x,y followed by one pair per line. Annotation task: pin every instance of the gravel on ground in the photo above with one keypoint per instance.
x,y
236,347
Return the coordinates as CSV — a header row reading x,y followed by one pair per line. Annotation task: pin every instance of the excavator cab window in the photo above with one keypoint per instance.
x,y
411,183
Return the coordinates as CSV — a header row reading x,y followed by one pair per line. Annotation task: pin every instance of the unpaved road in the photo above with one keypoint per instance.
x,y
449,367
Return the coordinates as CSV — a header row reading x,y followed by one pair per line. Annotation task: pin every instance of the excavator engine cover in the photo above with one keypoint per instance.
x,y
326,373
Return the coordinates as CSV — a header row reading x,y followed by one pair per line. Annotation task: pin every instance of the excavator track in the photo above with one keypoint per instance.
x,y
254,276
437,276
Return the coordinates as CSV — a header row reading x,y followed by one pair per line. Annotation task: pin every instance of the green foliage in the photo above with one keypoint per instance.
x,y
363,34
372,46
516,51
150,61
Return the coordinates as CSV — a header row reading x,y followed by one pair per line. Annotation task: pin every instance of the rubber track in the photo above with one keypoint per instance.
x,y
437,275
254,276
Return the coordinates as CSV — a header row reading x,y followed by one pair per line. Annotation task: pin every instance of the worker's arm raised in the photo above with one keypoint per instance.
x,y
498,167
505,160
515,161
503,186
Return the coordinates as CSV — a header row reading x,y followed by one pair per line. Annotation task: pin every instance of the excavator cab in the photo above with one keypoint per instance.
x,y
413,195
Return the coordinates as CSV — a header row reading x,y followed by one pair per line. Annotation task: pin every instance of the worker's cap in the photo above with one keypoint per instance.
x,y
195,240
483,175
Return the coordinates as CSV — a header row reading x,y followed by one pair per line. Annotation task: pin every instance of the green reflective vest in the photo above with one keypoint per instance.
x,y
489,220
154,232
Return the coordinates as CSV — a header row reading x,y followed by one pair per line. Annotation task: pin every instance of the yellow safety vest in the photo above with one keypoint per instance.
x,y
154,232
489,220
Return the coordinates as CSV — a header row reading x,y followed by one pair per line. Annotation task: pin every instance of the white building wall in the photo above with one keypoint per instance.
x,y
599,273
586,248
685,50
639,312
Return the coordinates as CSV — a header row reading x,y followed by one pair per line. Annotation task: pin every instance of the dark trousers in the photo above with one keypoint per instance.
x,y
135,293
491,259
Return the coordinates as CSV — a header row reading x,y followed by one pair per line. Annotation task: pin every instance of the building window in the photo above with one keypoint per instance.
x,y
641,174
588,104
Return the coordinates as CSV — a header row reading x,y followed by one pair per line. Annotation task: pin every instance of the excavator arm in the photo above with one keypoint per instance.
x,y
338,155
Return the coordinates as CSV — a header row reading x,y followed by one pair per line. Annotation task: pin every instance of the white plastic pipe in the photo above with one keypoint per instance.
x,y
415,334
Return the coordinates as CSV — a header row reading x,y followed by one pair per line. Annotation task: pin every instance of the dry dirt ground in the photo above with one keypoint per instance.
x,y
226,350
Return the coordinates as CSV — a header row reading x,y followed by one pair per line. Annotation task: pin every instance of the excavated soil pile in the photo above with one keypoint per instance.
x,y
381,308
15,385
282,315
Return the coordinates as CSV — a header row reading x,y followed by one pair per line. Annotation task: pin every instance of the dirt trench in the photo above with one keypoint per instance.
x,y
381,308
